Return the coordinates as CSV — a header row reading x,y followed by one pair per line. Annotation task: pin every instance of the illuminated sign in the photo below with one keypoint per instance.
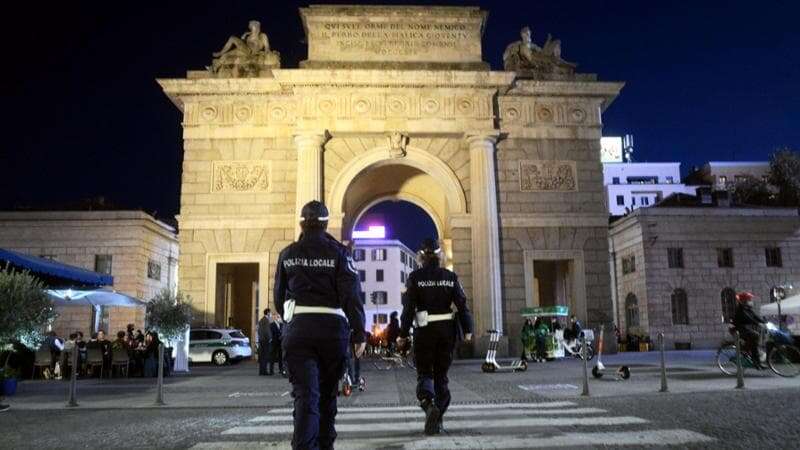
x,y
374,232
611,149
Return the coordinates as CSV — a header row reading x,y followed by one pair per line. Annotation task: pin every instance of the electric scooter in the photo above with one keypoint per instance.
x,y
491,364
622,373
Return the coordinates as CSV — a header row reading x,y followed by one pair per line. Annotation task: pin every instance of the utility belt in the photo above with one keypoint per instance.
x,y
422,318
291,308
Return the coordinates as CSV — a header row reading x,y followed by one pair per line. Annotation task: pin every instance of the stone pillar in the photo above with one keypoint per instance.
x,y
309,171
486,292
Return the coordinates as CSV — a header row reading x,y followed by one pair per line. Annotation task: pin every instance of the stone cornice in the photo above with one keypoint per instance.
x,y
607,90
543,220
214,222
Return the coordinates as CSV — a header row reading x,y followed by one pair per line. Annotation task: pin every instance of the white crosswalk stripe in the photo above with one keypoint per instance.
x,y
473,426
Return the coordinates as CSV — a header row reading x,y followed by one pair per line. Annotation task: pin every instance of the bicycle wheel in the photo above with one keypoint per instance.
x,y
726,359
784,360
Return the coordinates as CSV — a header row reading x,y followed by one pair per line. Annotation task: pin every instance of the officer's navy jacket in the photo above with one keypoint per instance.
x,y
433,289
317,271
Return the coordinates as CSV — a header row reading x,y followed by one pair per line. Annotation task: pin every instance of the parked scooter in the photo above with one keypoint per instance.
x,y
622,373
491,364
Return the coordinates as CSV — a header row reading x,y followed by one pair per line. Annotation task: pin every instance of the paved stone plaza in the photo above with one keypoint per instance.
x,y
231,407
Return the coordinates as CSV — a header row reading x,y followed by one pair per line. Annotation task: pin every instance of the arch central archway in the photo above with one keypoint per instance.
x,y
419,178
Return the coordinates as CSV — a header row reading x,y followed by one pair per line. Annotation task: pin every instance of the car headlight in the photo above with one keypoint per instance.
x,y
771,326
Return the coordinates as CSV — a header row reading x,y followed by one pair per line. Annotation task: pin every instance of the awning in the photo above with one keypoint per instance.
x,y
55,268
789,305
94,297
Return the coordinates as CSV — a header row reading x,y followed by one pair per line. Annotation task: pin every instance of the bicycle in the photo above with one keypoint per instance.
x,y
783,357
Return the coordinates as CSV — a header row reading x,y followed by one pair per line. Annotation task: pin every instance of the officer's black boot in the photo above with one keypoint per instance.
x,y
432,417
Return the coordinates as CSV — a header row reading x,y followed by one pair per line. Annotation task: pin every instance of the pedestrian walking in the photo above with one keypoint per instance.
x,y
275,350
316,294
430,292
264,334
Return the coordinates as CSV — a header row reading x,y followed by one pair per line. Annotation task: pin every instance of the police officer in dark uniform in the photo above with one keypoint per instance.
x,y
430,292
316,293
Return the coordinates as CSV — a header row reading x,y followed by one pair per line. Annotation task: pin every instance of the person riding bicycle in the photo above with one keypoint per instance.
x,y
748,323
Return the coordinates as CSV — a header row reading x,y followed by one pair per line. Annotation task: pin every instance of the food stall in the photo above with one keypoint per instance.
x,y
554,342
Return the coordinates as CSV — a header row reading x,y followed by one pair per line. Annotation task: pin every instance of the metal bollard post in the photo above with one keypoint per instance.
x,y
73,381
663,365
160,390
739,368
585,392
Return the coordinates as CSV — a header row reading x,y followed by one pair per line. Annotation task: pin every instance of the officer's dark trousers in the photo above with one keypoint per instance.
x,y
263,358
314,347
433,350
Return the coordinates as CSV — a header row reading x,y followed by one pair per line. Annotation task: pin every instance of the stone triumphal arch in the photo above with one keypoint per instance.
x,y
397,103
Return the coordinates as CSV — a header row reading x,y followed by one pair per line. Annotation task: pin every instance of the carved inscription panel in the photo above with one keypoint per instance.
x,y
553,176
241,176
393,34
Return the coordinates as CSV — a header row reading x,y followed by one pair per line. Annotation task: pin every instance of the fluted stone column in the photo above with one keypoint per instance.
x,y
486,280
309,170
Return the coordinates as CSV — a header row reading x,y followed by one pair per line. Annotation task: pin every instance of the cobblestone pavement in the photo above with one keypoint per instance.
x,y
231,407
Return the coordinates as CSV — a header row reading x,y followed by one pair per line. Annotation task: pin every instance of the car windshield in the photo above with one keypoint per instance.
x,y
237,334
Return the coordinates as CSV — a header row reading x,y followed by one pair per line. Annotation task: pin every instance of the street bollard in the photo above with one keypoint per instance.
x,y
73,381
585,392
160,390
663,365
739,368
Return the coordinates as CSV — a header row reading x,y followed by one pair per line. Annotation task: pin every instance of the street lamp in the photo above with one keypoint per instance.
x,y
779,293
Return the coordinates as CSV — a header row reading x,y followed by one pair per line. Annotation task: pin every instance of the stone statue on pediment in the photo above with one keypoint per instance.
x,y
245,56
529,59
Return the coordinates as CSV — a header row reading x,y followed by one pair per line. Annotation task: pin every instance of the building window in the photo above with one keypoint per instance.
x,y
680,307
723,179
615,180
403,257
728,300
628,265
645,201
153,270
725,257
102,264
379,254
379,298
675,257
670,180
633,200
402,277
362,275
379,275
358,254
631,311
363,296
773,257
620,200
380,319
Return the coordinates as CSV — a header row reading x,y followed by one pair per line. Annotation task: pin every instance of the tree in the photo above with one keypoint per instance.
x,y
24,309
169,314
784,174
751,191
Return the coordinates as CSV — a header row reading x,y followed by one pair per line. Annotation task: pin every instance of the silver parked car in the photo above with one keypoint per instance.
x,y
218,345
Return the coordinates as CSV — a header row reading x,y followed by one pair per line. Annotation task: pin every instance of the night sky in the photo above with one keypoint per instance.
x,y
84,117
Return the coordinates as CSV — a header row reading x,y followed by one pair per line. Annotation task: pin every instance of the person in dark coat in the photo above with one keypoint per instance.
x,y
264,339
431,291
275,352
392,330
317,294
748,323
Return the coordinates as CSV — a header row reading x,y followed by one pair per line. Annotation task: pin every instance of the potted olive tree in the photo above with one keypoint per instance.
x,y
169,314
24,311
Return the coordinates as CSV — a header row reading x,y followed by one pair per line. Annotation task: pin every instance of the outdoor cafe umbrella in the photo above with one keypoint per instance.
x,y
789,305
93,297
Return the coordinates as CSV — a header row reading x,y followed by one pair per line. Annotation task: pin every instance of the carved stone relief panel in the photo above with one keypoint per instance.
x,y
240,176
553,176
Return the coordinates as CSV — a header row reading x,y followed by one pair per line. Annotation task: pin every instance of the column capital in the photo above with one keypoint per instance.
x,y
482,137
311,138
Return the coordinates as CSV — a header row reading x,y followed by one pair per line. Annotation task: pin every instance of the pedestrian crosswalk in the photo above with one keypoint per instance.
x,y
468,426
